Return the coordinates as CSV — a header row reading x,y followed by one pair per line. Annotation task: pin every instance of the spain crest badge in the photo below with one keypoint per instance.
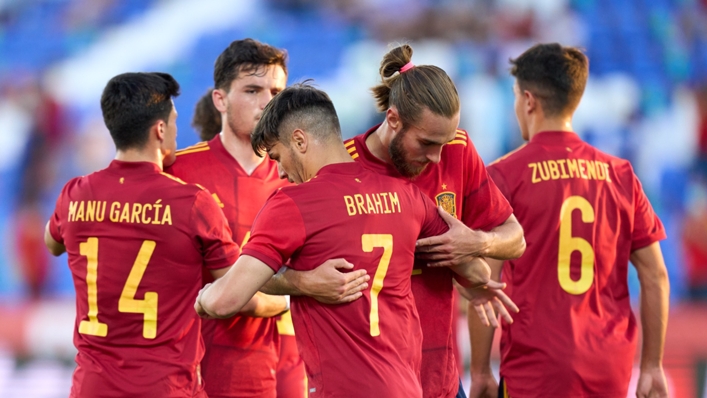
x,y
448,202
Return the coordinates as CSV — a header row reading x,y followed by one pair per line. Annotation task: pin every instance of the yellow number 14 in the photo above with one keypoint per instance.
x,y
127,302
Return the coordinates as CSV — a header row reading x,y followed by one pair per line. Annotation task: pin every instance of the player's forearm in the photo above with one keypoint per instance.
x,y
472,274
654,318
480,335
281,284
217,303
506,241
655,291
264,306
481,339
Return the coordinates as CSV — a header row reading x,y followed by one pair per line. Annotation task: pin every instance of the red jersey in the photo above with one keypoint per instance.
x,y
459,183
370,347
241,352
137,240
584,212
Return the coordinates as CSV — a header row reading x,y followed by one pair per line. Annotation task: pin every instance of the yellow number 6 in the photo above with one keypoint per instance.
x,y
569,243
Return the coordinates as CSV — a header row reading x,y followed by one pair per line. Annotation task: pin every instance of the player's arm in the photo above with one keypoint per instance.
x,y
460,244
55,248
655,290
325,283
227,295
260,305
483,383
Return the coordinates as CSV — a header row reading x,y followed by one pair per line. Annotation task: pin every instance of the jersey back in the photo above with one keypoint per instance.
x,y
245,350
137,240
583,213
371,346
459,184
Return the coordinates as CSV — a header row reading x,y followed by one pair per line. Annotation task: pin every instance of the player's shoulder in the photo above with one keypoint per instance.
x,y
191,159
82,182
178,186
509,159
194,153
620,166
459,144
199,147
351,146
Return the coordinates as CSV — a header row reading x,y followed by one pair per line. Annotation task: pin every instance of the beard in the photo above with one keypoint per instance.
x,y
398,156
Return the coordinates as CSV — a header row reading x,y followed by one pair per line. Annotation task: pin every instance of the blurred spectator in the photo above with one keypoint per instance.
x,y
694,235
37,176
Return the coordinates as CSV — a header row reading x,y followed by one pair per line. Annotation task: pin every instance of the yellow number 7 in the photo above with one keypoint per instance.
x,y
127,302
369,241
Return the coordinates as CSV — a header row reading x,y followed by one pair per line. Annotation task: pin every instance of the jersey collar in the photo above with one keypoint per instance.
x,y
347,168
555,138
134,167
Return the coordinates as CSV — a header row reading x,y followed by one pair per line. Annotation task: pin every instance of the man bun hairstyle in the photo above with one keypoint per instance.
x,y
555,74
300,106
132,102
412,88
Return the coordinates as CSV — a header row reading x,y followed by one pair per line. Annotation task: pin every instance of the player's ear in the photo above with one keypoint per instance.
x,y
531,101
393,118
219,97
158,129
299,140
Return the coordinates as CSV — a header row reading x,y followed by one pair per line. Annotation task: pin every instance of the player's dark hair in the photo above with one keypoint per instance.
x,y
555,74
207,119
249,56
132,102
423,86
298,106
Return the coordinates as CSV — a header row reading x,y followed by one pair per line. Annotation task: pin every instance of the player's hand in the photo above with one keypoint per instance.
x,y
487,298
483,386
328,285
457,246
652,384
197,304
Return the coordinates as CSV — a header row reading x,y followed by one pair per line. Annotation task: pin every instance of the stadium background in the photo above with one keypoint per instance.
x,y
646,101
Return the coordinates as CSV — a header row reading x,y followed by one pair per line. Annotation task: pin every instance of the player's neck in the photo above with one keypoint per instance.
x,y
374,143
241,150
550,124
140,155
328,154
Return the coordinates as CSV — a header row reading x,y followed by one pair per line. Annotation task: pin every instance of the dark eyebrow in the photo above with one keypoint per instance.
x,y
430,142
253,87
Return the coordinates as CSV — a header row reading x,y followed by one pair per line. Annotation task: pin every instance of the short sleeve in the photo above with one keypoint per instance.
x,y
499,179
647,227
212,233
433,223
277,233
484,205
55,222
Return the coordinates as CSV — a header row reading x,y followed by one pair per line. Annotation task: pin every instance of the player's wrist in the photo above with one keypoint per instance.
x,y
481,372
652,365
